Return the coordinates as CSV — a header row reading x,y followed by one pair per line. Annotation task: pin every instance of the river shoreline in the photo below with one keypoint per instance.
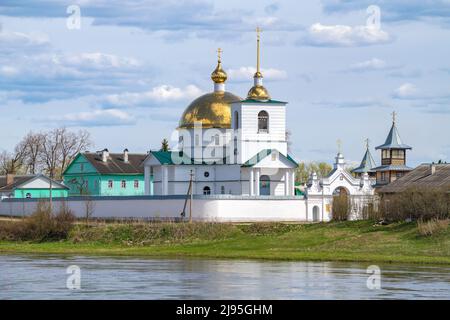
x,y
358,241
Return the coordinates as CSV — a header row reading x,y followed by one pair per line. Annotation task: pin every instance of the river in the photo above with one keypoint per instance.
x,y
46,277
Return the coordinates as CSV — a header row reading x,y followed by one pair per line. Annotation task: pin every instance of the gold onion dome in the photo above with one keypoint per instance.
x,y
219,75
258,91
213,109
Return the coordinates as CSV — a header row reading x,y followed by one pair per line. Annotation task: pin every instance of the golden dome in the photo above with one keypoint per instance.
x,y
212,110
258,92
219,75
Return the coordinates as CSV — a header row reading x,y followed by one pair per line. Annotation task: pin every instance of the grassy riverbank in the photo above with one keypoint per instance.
x,y
336,241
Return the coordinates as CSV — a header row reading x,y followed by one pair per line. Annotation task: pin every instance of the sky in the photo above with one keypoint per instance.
x,y
126,70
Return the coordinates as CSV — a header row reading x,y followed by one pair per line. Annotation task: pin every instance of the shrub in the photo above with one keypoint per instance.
x,y
341,207
416,204
432,227
42,225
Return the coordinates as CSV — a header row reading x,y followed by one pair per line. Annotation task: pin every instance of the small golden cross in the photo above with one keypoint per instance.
x,y
219,53
367,143
258,31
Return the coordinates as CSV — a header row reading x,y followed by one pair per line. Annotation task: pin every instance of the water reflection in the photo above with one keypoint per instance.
x,y
44,277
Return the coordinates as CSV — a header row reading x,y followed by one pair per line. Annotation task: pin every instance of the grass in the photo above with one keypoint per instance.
x,y
335,241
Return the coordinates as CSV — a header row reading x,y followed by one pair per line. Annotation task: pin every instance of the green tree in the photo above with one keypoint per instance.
x,y
165,145
304,170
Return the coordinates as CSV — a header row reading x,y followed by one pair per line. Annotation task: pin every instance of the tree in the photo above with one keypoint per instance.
x,y
165,145
33,147
304,170
12,162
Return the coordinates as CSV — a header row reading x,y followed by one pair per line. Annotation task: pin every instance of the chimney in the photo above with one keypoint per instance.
x,y
432,169
105,155
9,178
125,155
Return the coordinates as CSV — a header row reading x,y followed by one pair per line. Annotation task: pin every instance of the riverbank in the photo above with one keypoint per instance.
x,y
335,241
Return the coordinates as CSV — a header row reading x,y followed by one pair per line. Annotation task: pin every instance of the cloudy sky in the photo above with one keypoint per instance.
x,y
129,71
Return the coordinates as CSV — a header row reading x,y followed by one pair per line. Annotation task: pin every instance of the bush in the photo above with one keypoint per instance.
x,y
432,227
341,207
416,204
42,225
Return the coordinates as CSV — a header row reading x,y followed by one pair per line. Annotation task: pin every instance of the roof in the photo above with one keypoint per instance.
x,y
393,140
178,158
19,180
367,163
421,177
264,153
115,163
390,167
263,101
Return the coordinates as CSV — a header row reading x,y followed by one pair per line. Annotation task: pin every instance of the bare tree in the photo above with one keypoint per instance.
x,y
33,147
13,162
71,144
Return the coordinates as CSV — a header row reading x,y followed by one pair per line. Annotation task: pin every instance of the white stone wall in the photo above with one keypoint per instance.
x,y
218,209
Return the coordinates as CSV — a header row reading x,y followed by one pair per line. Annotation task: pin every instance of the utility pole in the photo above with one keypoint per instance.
x,y
192,195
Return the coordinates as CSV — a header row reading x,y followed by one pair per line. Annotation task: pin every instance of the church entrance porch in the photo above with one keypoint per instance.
x,y
269,182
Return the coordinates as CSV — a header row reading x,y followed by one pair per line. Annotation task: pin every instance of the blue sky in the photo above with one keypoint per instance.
x,y
128,73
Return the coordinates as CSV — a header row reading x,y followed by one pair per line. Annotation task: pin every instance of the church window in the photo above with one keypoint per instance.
x,y
263,121
216,140
206,190
385,154
398,154
206,174
123,184
110,184
181,141
222,189
197,140
236,120
136,184
399,174
383,176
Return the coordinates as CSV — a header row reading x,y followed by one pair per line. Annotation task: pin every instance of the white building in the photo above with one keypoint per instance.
x,y
227,145
320,192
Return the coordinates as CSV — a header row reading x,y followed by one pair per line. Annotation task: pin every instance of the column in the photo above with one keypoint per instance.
x,y
292,188
286,183
165,182
251,182
257,182
147,180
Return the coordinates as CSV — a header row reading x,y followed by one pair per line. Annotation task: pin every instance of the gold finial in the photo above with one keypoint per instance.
x,y
219,75
258,71
219,53
394,114
339,145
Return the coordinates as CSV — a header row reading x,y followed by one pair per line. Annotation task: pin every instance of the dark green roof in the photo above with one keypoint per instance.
x,y
263,101
393,140
367,164
264,153
177,158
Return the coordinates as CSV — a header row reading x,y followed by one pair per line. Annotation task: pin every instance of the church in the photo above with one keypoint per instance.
x,y
227,145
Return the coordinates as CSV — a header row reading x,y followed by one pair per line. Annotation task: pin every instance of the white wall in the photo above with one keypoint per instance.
x,y
213,209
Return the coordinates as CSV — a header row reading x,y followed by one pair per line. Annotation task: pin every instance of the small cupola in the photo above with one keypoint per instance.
x,y
258,91
125,155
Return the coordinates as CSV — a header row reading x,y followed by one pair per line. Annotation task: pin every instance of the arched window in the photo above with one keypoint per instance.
x,y
206,190
264,185
236,120
222,189
263,121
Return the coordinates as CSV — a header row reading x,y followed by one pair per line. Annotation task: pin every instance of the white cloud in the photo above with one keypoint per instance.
x,y
405,91
96,60
246,73
110,117
372,64
10,42
344,36
159,94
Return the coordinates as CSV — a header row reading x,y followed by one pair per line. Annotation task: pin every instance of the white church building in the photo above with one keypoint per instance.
x,y
227,145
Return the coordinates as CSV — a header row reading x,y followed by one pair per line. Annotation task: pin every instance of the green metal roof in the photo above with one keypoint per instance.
x,y
264,153
263,101
393,140
367,163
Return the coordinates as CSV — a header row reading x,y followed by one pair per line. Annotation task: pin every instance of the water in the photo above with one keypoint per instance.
x,y
44,277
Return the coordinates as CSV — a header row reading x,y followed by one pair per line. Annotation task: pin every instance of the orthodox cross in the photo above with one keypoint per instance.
x,y
394,114
367,143
219,53
339,145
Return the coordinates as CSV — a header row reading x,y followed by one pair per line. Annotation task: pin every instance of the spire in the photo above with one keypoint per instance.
x,y
367,162
219,76
258,92
393,140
